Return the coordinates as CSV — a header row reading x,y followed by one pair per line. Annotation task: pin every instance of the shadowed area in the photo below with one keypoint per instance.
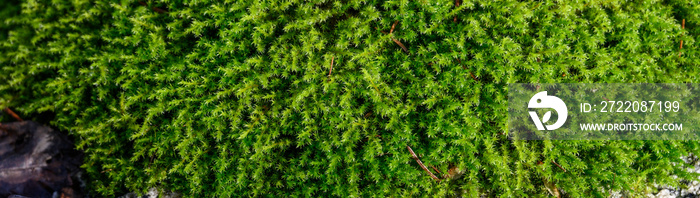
x,y
36,161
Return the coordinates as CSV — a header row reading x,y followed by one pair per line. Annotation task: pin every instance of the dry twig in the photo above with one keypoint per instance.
x,y
436,170
681,48
403,47
562,168
331,70
415,157
13,114
400,44
457,2
463,67
460,63
156,9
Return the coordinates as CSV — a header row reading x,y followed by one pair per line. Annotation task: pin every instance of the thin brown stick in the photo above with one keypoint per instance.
x,y
403,47
606,99
397,41
331,70
562,168
400,44
460,63
13,114
415,157
156,9
679,51
457,2
382,31
463,67
436,170
473,77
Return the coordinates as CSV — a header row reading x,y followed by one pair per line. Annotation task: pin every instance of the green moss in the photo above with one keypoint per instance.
x,y
238,98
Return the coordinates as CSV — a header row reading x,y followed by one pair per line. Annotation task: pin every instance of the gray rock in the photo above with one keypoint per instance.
x,y
36,161
154,193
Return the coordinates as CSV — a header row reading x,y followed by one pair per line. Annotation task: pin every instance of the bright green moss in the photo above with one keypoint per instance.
x,y
224,99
